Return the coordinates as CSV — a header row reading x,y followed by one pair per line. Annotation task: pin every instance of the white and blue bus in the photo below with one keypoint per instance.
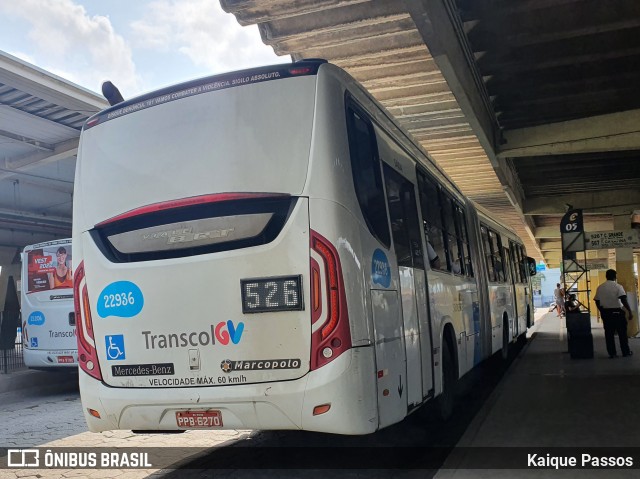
x,y
47,309
269,249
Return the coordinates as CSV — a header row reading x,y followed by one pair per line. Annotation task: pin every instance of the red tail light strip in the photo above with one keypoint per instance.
x,y
84,326
316,292
191,201
334,336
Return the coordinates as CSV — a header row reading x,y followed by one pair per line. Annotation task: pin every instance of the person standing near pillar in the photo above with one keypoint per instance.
x,y
558,294
610,298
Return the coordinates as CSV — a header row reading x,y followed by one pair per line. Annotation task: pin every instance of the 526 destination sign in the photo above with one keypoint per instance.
x,y
261,295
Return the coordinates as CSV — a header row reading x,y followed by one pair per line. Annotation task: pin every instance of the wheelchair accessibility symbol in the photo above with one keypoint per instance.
x,y
115,347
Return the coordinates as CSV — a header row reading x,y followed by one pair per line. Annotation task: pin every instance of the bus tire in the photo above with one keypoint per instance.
x,y
505,339
446,399
522,339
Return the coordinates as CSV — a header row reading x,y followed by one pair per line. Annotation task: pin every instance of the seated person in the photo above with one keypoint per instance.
x,y
434,260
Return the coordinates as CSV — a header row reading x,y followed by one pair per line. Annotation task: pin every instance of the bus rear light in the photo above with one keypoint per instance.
x,y
331,338
92,122
300,70
87,354
321,409
94,413
316,292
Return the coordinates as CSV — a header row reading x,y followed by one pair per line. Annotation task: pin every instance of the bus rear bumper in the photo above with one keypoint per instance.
x,y
41,359
347,384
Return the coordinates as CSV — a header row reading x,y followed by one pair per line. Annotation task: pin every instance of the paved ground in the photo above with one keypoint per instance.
x,y
39,407
549,400
198,441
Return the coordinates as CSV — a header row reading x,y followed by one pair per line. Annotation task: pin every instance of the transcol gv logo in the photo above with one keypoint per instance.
x,y
222,333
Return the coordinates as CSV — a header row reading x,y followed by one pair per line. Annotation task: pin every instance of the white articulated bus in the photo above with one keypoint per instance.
x,y
268,249
48,319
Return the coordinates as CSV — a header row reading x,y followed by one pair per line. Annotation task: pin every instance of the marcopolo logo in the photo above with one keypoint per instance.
x,y
222,333
36,318
228,366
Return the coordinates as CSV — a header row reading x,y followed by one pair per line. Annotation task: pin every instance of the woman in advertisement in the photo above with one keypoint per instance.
x,y
61,277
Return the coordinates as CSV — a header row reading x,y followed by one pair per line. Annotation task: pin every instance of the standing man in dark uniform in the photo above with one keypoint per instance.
x,y
610,297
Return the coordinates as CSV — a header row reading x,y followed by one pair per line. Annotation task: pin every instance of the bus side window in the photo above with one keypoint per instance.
x,y
432,222
507,265
517,263
367,178
488,256
463,239
404,219
496,252
513,260
523,264
454,256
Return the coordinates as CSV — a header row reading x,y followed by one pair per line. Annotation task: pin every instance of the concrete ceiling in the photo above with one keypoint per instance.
x,y
41,116
528,105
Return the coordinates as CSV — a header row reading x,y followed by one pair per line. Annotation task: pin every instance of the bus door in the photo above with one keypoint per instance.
x,y
407,240
520,290
511,281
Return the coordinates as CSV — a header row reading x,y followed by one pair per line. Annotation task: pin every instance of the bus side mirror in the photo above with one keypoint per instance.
x,y
532,266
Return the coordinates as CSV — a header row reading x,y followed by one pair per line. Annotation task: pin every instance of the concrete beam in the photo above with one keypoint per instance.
x,y
32,218
24,140
547,232
546,245
553,232
60,151
612,132
618,201
554,256
442,33
47,86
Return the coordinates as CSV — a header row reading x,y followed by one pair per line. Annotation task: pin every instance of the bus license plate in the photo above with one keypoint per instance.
x,y
65,360
199,419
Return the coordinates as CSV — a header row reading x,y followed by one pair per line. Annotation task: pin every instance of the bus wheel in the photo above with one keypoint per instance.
x,y
445,401
522,339
505,339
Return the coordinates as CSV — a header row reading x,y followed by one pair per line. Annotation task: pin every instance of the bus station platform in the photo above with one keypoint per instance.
x,y
548,400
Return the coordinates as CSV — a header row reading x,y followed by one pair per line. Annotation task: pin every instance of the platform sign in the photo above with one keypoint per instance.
x,y
612,239
541,267
572,232
571,266
601,264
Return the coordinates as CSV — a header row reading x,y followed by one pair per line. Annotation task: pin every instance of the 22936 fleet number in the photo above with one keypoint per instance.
x,y
119,299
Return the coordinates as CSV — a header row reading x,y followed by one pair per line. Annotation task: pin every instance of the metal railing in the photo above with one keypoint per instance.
x,y
10,343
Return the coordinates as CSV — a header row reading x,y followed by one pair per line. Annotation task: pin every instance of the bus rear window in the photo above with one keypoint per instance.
x,y
49,268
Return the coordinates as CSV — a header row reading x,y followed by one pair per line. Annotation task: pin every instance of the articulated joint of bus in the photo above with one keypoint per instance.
x,y
87,354
330,336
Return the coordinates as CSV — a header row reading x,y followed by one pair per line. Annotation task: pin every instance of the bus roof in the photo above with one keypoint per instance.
x,y
206,85
47,243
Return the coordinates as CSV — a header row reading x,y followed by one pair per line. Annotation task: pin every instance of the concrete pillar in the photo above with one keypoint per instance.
x,y
594,282
8,269
582,286
626,277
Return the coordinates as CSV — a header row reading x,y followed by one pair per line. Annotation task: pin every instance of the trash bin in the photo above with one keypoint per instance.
x,y
579,335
